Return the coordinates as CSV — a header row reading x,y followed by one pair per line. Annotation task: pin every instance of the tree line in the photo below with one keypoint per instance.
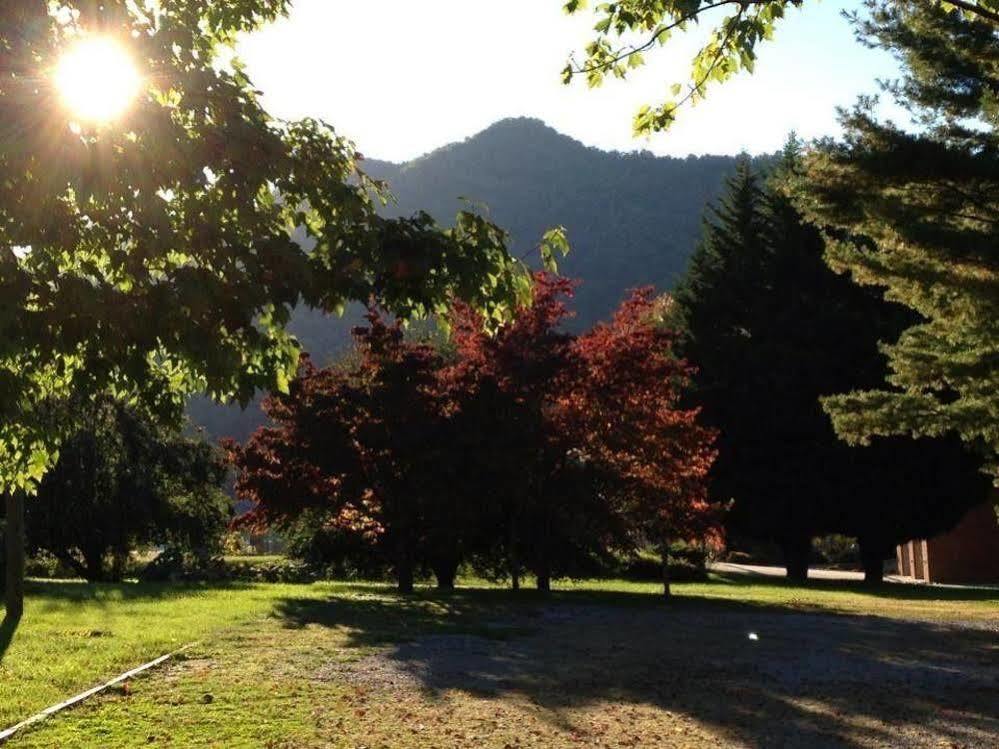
x,y
694,416
528,450
535,449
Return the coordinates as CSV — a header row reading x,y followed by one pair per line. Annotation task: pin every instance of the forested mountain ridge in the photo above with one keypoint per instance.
x,y
632,219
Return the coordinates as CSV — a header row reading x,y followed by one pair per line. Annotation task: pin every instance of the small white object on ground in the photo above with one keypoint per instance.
x,y
753,636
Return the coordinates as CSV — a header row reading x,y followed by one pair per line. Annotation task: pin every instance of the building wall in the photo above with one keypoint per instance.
x,y
967,554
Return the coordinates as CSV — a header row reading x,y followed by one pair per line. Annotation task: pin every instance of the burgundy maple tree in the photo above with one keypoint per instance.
x,y
623,405
358,442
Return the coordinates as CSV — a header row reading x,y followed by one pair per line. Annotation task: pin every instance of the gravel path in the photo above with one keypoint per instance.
x,y
748,679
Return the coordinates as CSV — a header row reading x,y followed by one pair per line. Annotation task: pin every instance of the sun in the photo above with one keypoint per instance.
x,y
97,79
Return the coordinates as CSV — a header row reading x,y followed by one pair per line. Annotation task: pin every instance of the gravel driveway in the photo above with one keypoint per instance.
x,y
743,679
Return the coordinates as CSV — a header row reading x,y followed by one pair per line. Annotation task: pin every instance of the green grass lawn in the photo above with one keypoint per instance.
x,y
258,676
74,635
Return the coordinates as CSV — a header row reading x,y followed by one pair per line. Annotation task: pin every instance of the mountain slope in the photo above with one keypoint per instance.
x,y
632,220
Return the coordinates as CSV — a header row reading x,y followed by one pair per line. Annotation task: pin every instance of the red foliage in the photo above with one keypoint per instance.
x,y
624,406
525,358
345,439
532,446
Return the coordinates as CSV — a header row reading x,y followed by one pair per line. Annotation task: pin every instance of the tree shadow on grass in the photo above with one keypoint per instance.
x,y
808,680
7,629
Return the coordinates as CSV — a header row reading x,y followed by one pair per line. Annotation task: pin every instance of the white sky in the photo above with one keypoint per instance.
x,y
402,77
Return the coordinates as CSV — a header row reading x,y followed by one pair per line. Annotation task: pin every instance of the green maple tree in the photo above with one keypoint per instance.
x,y
161,253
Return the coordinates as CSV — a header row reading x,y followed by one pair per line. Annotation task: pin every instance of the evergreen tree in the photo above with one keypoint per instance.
x,y
720,308
918,212
772,329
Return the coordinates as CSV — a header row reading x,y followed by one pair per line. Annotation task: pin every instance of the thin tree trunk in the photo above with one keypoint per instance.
x,y
873,563
445,572
543,571
404,575
94,566
119,564
796,557
14,545
667,591
513,563
404,564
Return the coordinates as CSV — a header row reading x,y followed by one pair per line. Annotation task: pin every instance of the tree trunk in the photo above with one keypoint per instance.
x,y
404,576
544,581
513,563
14,544
94,566
404,566
445,572
667,591
119,564
873,563
796,557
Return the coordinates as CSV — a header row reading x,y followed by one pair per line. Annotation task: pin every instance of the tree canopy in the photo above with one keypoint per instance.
x,y
362,442
627,30
527,450
161,253
123,482
916,215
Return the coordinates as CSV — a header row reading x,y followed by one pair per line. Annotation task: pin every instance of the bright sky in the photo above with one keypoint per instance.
x,y
402,77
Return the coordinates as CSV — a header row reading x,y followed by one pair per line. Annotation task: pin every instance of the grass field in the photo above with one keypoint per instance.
x,y
599,663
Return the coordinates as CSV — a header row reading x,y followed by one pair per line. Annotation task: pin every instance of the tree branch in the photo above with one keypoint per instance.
x,y
978,10
626,52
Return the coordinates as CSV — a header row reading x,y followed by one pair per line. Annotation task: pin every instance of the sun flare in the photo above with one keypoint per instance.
x,y
97,79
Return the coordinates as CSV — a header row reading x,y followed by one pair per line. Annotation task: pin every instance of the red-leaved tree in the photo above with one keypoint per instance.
x,y
623,406
360,443
543,514
529,449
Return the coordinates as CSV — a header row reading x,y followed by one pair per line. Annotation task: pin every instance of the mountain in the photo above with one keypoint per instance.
x,y
632,219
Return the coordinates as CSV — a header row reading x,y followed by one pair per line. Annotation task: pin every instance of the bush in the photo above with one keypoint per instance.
x,y
283,571
176,566
687,563
47,567
836,550
333,552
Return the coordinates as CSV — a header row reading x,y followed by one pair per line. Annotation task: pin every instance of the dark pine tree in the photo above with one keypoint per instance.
x,y
772,330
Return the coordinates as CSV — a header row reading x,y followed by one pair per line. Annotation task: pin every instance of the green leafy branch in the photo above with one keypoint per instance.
x,y
730,49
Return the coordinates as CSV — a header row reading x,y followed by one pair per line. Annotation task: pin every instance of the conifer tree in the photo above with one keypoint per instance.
x,y
772,330
917,212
